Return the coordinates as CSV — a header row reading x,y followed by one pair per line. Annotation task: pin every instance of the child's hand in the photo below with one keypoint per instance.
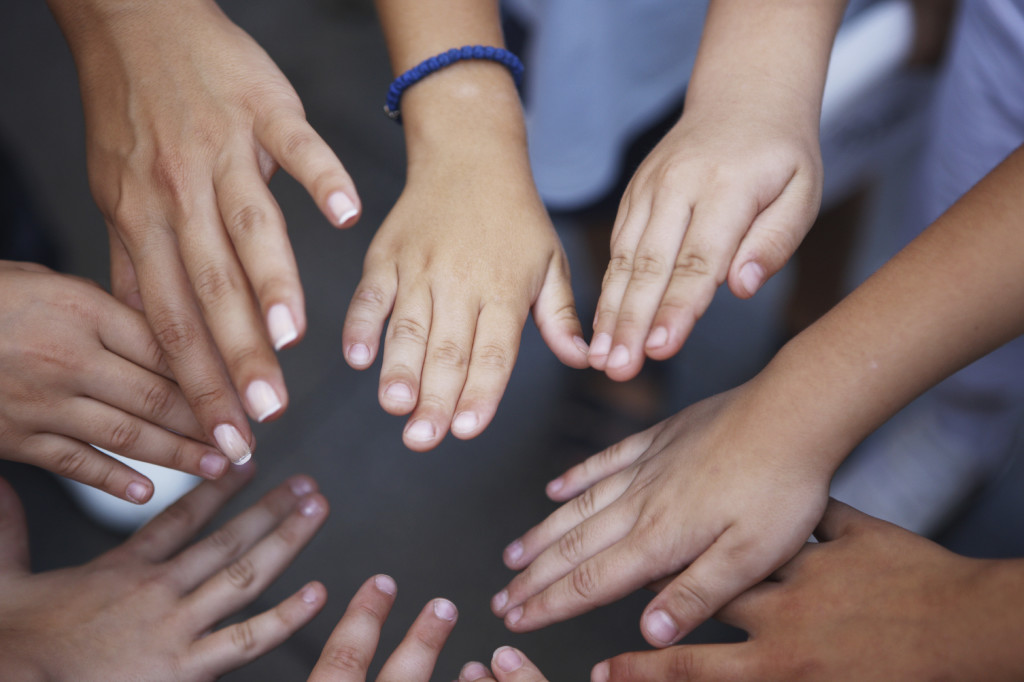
x,y
149,608
508,664
458,264
708,490
723,196
349,650
79,367
870,602
187,118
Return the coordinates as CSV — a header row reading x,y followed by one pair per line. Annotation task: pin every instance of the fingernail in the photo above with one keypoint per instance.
x,y
137,492
473,671
464,422
309,594
514,615
752,276
499,600
581,344
231,443
281,326
555,485
601,344
386,584
658,338
341,207
359,354
398,392
601,672
300,486
661,627
508,659
444,609
420,430
514,551
310,507
213,465
263,400
618,358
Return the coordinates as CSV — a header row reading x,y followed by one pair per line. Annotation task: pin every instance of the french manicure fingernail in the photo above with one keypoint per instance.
x,y
386,584
752,276
231,443
499,600
464,422
310,507
398,392
514,615
262,399
359,354
212,465
514,551
661,627
581,344
508,659
601,344
309,594
473,671
300,486
420,430
658,338
281,326
341,207
618,358
137,492
601,672
555,485
444,609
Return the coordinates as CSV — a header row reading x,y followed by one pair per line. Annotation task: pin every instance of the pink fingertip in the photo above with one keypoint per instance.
x,y
386,584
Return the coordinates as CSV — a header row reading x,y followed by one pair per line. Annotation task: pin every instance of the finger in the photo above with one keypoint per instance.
x,y
839,519
753,607
555,316
600,466
244,579
773,238
258,234
225,297
127,334
702,264
704,662
179,329
235,645
475,671
98,423
123,282
14,555
416,655
293,143
512,665
405,347
653,262
232,540
370,306
629,225
78,461
495,347
171,529
350,648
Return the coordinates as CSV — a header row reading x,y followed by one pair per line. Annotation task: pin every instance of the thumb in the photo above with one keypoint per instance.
x,y
555,315
512,665
124,284
13,532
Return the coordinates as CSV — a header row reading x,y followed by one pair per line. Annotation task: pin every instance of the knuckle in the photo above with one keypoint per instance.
x,y
243,636
70,463
691,600
648,267
297,141
213,283
225,540
619,266
370,296
124,435
175,332
571,545
692,263
158,400
450,355
343,658
583,582
585,504
246,221
407,329
493,357
241,574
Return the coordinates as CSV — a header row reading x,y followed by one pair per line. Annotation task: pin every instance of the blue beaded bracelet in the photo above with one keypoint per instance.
x,y
429,66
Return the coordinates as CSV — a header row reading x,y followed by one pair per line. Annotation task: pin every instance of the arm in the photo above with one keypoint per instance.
x,y
748,470
186,121
730,191
468,248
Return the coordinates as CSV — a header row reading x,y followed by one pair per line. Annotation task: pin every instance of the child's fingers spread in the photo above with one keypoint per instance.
x,y
512,665
405,347
371,304
416,655
236,645
350,648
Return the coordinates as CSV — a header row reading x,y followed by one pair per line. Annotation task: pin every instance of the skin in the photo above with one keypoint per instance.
x,y
468,250
507,665
156,600
728,490
186,121
98,378
730,191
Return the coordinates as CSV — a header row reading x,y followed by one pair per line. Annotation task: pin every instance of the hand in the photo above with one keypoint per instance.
x,y
457,264
78,368
871,601
725,195
709,490
186,121
148,607
509,665
349,650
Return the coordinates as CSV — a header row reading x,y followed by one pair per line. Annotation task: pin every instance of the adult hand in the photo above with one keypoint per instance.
x,y
149,607
870,601
78,368
508,664
713,490
186,121
349,650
